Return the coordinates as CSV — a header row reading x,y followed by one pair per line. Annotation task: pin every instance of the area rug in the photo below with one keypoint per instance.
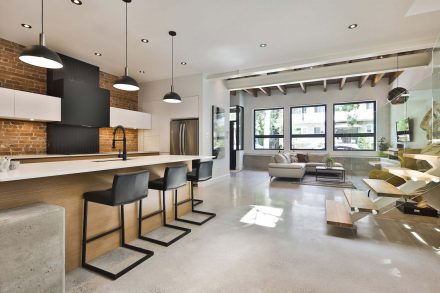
x,y
311,180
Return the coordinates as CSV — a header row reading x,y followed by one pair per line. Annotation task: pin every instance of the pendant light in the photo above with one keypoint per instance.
x,y
398,95
126,83
172,97
40,55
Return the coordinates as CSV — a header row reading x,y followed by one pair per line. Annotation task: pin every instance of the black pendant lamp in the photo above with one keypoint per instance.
x,y
172,97
126,83
398,95
40,55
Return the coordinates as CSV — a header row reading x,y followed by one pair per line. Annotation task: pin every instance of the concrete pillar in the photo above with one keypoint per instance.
x,y
32,249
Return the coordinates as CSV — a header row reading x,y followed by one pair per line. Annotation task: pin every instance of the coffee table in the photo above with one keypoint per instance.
x,y
319,176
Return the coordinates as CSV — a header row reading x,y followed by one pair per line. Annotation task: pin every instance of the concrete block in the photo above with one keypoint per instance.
x,y
32,252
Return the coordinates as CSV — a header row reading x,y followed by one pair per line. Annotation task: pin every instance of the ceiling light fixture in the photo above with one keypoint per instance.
x,y
40,55
352,26
142,71
126,83
183,63
98,54
145,41
26,25
76,2
263,45
172,97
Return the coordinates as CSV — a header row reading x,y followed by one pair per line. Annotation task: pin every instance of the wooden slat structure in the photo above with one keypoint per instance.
x,y
337,214
358,199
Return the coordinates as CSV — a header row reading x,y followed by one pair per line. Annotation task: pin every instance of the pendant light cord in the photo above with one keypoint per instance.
x,y
172,63
42,16
397,82
126,38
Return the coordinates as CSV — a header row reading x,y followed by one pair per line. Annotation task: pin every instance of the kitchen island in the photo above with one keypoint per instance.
x,y
64,182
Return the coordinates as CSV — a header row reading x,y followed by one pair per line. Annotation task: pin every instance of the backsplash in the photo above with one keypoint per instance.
x,y
27,137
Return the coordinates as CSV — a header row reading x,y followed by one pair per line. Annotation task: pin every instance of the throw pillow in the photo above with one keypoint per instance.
x,y
287,156
280,158
303,158
293,158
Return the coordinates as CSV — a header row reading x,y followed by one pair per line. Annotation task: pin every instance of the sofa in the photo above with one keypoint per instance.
x,y
295,165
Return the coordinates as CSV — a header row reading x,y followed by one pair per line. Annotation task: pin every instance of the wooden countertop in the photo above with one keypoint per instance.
x,y
49,169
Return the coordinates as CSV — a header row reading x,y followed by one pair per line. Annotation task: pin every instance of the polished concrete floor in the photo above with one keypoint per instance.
x,y
272,237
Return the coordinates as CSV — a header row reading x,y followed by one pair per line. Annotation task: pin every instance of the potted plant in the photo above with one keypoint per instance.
x,y
383,145
328,161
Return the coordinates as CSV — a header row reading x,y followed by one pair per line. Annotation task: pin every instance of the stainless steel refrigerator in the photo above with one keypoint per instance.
x,y
184,136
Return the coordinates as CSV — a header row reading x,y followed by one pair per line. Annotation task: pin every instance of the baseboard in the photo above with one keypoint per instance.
x,y
213,180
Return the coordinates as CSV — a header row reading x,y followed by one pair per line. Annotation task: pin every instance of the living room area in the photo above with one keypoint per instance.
x,y
369,128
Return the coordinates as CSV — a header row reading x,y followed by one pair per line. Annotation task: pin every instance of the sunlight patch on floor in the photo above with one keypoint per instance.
x,y
263,216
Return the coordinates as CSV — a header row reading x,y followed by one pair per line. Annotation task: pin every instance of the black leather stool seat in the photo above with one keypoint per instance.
x,y
102,197
127,188
157,184
202,172
174,178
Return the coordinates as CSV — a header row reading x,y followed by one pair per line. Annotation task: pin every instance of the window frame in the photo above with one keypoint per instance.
x,y
309,135
268,136
374,134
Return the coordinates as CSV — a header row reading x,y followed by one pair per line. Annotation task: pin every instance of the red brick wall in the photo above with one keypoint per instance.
x,y
27,137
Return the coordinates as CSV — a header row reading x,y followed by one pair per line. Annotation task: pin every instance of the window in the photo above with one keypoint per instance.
x,y
236,118
269,129
308,127
354,126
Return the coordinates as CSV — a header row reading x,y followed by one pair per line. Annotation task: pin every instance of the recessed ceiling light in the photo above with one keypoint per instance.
x,y
142,71
26,25
380,57
352,26
183,63
263,45
76,2
98,54
145,41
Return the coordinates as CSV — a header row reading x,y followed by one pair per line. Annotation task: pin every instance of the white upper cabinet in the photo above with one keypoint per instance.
x,y
21,105
37,107
129,119
6,103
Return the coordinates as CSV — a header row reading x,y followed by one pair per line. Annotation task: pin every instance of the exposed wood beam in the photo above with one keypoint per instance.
x,y
376,78
342,83
325,85
282,89
303,87
252,92
394,76
367,67
266,91
233,93
363,80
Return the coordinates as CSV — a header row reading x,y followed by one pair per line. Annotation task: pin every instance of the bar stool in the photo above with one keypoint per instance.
x,y
195,165
174,178
127,188
202,173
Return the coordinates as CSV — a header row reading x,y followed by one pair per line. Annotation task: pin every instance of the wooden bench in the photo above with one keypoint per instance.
x,y
337,214
358,199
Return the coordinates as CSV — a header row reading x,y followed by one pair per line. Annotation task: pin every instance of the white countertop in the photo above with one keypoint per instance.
x,y
44,156
49,169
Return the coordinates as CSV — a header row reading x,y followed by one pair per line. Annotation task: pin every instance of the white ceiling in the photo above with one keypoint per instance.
x,y
215,36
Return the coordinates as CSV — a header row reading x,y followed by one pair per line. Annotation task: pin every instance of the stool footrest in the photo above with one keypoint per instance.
x,y
167,243
114,276
197,202
152,214
211,215
103,234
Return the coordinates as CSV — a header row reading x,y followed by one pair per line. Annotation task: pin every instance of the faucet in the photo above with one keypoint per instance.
x,y
124,142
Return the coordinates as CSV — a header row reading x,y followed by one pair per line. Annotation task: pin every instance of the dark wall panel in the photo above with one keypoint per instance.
x,y
67,139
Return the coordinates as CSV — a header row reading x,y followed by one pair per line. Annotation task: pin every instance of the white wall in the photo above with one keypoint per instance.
x,y
198,97
150,100
215,93
316,95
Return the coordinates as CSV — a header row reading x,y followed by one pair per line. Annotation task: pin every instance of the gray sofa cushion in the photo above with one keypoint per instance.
x,y
287,165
